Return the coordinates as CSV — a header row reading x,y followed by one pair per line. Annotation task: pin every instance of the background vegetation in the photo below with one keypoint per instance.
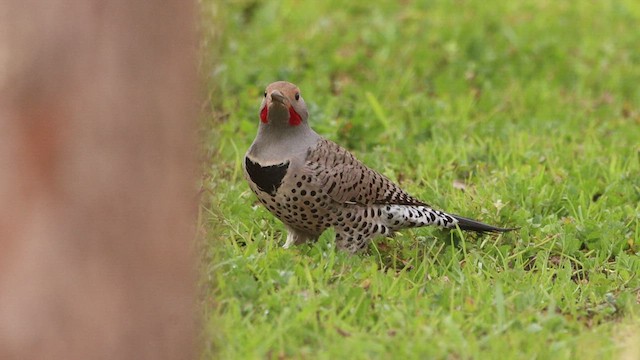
x,y
522,113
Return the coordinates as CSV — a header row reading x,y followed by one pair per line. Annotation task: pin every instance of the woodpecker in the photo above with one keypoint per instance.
x,y
312,184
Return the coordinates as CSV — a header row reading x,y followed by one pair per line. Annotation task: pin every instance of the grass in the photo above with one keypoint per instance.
x,y
516,113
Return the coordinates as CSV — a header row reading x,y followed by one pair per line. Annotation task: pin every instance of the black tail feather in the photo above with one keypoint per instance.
x,y
477,226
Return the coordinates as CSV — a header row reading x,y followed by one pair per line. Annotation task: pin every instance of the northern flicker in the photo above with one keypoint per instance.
x,y
311,183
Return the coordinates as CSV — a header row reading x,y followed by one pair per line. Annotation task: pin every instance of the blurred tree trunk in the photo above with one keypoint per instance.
x,y
97,167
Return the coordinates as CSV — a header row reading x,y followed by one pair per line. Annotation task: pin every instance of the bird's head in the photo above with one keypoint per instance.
x,y
283,105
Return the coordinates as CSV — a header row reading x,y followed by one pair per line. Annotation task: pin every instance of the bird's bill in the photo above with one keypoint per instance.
x,y
278,97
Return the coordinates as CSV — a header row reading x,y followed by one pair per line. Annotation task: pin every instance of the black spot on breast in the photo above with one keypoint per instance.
x,y
267,178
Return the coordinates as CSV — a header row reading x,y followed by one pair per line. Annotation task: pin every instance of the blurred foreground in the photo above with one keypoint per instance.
x,y
96,179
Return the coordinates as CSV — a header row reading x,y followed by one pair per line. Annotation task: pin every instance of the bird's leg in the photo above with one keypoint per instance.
x,y
296,237
291,240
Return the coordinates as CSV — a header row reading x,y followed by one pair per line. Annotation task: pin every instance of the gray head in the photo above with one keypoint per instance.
x,y
283,106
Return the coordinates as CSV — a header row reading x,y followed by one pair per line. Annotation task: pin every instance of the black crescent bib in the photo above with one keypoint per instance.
x,y
267,178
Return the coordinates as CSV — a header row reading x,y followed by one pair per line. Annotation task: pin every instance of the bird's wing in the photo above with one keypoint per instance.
x,y
347,180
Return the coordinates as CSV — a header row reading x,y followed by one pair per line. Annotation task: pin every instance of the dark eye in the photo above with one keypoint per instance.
x,y
265,93
297,96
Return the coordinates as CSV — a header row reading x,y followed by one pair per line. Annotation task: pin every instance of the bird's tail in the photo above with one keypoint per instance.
x,y
477,226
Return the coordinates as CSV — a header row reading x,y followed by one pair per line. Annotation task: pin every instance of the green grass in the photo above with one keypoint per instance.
x,y
533,107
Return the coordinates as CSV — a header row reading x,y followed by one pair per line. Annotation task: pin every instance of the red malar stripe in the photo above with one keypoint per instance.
x,y
263,115
294,118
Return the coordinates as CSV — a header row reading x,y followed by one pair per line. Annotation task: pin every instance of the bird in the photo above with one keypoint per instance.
x,y
311,183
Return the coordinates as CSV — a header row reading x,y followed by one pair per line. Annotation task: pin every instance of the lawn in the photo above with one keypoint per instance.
x,y
522,114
